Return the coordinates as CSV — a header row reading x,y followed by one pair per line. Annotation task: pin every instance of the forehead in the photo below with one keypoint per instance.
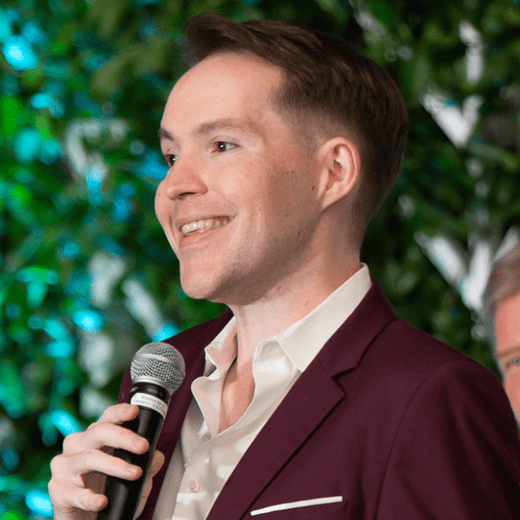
x,y
221,84
507,323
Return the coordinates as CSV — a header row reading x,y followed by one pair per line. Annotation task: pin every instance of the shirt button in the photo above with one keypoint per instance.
x,y
195,485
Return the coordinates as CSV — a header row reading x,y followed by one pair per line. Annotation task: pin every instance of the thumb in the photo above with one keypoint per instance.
x,y
157,463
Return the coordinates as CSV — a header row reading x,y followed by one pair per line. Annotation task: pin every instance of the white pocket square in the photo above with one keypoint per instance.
x,y
294,505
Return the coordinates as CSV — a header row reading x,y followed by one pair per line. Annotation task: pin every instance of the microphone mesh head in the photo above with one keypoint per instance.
x,y
158,363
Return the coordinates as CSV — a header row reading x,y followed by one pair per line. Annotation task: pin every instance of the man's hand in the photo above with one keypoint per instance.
x,y
79,473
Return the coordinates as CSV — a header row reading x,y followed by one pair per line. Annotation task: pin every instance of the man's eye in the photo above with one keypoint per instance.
x,y
223,146
170,159
513,362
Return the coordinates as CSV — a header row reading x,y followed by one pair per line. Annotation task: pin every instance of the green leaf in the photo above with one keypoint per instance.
x,y
13,395
10,110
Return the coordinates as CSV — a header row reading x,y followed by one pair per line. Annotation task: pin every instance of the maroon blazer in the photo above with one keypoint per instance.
x,y
396,423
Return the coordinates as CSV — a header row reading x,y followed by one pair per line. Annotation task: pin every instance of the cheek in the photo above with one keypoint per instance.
x,y
159,203
512,388
292,192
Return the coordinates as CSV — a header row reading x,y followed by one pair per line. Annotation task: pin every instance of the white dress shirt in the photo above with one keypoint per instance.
x,y
204,459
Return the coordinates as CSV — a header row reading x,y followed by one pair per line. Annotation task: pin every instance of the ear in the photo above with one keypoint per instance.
x,y
341,169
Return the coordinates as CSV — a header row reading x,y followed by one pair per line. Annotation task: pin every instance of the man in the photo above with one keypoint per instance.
x,y
309,398
502,302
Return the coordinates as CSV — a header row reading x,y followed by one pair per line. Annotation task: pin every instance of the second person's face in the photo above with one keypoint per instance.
x,y
507,344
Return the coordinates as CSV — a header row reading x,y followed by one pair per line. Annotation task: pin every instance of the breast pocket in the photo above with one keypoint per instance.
x,y
326,508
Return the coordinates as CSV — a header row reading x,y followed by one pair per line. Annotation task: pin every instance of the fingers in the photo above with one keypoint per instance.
x,y
86,462
157,463
86,452
66,497
108,432
119,413
102,435
79,473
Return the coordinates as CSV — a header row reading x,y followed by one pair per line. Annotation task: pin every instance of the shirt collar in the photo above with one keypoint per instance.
x,y
302,341
222,351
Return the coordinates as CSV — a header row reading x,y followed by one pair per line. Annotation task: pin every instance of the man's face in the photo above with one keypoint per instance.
x,y
507,336
239,204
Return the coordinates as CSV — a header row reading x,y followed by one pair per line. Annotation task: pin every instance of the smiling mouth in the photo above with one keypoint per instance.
x,y
204,225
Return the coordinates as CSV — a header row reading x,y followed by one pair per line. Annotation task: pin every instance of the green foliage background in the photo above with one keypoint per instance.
x,y
79,159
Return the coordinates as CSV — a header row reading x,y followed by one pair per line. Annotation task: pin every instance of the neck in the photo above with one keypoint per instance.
x,y
285,305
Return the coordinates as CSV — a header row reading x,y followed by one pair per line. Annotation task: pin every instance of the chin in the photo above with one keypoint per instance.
x,y
204,291
228,288
195,293
199,289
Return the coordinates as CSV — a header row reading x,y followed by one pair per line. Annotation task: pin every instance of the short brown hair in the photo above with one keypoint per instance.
x,y
504,280
327,85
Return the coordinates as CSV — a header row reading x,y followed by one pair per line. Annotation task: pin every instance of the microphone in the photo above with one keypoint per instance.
x,y
157,370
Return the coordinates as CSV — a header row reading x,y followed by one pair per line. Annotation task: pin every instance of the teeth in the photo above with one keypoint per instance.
x,y
201,225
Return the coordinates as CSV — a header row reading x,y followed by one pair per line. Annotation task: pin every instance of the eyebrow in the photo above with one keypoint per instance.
x,y
217,124
507,352
164,134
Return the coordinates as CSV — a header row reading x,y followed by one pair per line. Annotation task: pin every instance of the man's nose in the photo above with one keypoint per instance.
x,y
183,179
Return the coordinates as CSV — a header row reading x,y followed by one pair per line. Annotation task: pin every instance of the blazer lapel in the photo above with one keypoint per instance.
x,y
304,408
306,405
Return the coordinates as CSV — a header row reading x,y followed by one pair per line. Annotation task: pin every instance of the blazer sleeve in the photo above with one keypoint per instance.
x,y
126,386
456,451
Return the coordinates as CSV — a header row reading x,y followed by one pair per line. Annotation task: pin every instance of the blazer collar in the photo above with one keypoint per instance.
x,y
369,318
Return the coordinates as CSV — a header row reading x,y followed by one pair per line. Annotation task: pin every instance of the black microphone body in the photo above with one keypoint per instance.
x,y
124,495
157,371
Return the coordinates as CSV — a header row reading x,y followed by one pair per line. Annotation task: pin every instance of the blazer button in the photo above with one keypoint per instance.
x,y
195,485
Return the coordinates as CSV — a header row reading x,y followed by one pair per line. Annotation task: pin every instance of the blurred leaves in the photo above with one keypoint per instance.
x,y
87,275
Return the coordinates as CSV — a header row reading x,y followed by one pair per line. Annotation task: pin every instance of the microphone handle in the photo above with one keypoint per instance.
x,y
124,495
